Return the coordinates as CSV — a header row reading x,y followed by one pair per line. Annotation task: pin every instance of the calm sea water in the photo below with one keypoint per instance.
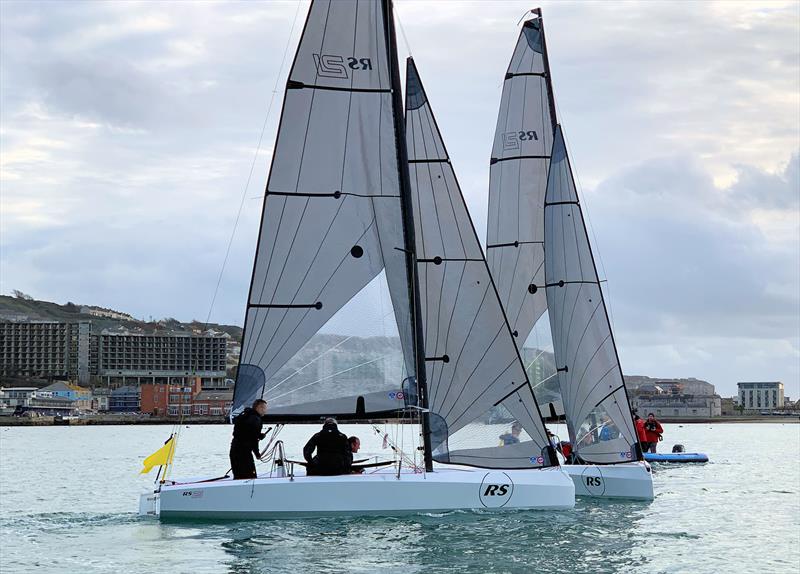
x,y
68,500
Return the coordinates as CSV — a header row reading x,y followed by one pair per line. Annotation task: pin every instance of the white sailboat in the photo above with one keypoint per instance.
x,y
346,242
539,254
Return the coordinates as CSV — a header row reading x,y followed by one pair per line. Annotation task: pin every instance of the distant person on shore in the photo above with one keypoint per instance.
x,y
513,436
653,432
355,445
641,434
333,451
246,434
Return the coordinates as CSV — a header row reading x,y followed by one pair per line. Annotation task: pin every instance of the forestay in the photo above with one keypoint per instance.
x,y
472,362
331,224
598,414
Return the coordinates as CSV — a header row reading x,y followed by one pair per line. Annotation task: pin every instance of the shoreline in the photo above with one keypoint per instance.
x,y
114,420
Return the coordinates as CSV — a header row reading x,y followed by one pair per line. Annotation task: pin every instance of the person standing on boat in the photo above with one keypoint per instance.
x,y
641,434
246,434
653,431
333,450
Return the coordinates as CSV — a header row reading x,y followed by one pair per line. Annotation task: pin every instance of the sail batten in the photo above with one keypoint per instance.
x,y
461,313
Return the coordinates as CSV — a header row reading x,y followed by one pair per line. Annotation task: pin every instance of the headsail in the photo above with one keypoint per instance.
x,y
598,414
472,362
518,178
331,226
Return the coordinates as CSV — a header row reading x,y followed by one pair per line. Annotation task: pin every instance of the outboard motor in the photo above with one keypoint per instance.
x,y
678,448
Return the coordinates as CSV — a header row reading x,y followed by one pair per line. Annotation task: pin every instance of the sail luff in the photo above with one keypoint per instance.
x,y
418,343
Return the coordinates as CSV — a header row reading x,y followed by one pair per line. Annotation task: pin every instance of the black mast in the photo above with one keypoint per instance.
x,y
415,310
547,78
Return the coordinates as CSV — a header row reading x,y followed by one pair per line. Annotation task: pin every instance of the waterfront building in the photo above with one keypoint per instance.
x,y
12,397
175,400
100,400
673,397
124,399
18,400
214,403
159,399
761,395
81,397
45,349
165,357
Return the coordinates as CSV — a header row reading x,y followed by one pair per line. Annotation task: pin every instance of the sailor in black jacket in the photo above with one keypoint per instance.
x,y
246,434
332,448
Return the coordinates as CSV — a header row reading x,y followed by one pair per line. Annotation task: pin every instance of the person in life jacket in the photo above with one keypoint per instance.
x,y
641,434
653,431
333,451
511,437
246,434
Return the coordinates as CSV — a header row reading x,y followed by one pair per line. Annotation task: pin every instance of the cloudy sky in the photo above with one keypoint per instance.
x,y
128,131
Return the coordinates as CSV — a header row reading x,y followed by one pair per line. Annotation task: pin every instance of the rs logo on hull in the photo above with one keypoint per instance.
x,y
332,66
496,490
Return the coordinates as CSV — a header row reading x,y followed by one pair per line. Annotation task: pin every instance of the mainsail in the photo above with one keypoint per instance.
x,y
332,228
595,400
473,365
518,178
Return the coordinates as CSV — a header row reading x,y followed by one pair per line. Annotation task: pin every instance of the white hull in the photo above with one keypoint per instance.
x,y
382,494
632,480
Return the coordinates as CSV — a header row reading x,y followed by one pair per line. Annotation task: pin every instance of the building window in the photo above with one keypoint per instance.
x,y
216,411
173,410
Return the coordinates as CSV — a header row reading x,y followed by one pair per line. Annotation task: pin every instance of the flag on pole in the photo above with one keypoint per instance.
x,y
161,457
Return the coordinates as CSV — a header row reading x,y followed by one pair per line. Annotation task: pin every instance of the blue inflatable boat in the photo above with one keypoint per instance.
x,y
676,457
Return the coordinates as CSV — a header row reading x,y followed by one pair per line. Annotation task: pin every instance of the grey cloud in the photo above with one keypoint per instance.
x,y
128,131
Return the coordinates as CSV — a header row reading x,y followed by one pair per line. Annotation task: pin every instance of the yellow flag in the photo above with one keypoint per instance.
x,y
161,457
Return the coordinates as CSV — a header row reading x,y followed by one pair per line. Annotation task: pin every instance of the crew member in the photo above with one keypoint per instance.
x,y
641,434
355,445
246,434
513,436
653,431
333,451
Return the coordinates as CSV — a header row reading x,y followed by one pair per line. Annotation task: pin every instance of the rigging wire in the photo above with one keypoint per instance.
x,y
253,164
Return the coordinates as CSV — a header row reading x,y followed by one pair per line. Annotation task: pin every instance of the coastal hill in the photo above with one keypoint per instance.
x,y
22,307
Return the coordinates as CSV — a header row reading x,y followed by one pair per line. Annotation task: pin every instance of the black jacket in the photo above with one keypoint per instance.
x,y
247,431
333,452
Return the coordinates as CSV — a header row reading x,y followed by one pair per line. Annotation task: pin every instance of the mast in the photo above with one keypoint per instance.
x,y
547,77
415,309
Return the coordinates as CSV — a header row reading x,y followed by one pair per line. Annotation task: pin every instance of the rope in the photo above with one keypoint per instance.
x,y
252,165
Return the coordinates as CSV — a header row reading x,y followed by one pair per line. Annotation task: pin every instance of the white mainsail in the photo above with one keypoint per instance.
x,y
517,181
332,218
472,362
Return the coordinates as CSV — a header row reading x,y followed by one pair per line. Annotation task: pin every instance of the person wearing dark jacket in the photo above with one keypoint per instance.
x,y
333,451
246,434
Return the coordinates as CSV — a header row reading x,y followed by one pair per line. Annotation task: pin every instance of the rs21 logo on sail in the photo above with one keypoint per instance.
x,y
332,66
511,139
